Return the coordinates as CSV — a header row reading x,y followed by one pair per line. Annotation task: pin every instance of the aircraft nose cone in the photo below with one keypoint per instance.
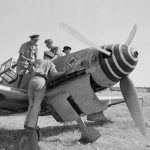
x,y
121,63
134,52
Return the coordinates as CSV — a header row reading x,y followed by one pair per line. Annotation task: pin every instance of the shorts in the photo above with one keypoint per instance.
x,y
21,70
22,67
37,83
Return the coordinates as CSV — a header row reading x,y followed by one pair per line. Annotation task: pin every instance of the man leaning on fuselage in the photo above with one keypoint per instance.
x,y
42,71
54,52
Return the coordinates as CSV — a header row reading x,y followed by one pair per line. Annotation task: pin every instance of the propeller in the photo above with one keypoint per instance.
x,y
131,98
130,95
131,35
80,37
126,85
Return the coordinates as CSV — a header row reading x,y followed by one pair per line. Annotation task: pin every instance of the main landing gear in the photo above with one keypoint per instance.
x,y
27,140
89,135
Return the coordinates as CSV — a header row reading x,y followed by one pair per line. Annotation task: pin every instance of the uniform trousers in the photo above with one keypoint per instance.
x,y
36,93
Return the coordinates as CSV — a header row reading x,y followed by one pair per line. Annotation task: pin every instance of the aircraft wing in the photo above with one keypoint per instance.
x,y
12,100
12,93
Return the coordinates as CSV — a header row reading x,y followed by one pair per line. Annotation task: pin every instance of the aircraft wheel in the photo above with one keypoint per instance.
x,y
89,135
26,140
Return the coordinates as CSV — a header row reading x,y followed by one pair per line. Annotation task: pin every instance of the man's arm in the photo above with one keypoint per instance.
x,y
57,53
36,52
22,51
55,57
35,55
25,57
58,74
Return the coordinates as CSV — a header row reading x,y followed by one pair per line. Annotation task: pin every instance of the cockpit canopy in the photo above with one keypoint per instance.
x,y
8,70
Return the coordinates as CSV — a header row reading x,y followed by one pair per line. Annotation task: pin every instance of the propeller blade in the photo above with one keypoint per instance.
x,y
80,37
131,98
131,35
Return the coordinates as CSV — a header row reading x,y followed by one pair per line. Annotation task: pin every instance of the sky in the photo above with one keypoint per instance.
x,y
101,21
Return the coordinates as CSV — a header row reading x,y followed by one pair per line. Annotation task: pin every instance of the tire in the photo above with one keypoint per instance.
x,y
26,140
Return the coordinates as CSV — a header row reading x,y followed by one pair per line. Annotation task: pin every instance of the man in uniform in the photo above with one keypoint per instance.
x,y
42,71
54,51
66,50
27,54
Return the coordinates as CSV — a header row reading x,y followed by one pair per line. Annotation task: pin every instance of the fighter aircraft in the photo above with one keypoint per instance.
x,y
73,95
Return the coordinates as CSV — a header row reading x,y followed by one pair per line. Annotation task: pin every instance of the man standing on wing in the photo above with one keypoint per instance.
x,y
27,54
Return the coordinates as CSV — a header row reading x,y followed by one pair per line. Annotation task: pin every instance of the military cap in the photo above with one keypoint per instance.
x,y
66,48
34,36
48,41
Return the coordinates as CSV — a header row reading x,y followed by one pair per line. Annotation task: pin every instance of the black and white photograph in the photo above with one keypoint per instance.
x,y
74,75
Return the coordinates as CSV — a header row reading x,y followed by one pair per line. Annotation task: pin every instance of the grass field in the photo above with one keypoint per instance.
x,y
118,132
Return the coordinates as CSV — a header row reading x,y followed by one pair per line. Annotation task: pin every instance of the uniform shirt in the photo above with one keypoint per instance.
x,y
48,54
56,51
43,68
29,51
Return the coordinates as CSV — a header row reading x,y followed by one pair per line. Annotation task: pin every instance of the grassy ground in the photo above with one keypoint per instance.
x,y
117,132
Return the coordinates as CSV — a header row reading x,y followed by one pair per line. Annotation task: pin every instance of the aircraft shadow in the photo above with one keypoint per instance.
x,y
7,137
56,130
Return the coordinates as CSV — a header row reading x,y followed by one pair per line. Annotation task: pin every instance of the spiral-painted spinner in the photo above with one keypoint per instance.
x,y
122,61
